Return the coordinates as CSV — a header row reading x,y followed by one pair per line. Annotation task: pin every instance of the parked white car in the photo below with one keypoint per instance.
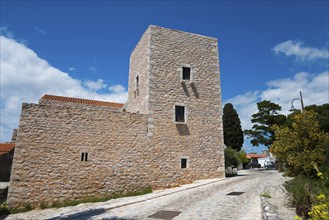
x,y
269,165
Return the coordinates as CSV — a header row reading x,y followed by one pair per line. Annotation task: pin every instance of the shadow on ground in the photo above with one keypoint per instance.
x,y
84,215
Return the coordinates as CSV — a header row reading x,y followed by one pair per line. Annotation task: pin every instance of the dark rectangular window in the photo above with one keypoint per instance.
x,y
179,113
84,156
183,163
137,81
186,73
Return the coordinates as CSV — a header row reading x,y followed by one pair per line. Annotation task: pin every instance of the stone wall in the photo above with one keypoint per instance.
x,y
139,67
200,140
47,164
127,151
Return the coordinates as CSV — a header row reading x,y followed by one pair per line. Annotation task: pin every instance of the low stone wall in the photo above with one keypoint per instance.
x,y
47,164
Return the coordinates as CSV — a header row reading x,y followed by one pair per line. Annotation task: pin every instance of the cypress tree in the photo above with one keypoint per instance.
x,y
233,134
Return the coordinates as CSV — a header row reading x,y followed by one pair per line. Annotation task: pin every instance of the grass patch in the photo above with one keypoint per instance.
x,y
266,195
99,199
5,211
24,208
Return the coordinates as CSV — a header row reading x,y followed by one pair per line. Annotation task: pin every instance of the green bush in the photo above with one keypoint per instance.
x,y
303,191
299,189
231,158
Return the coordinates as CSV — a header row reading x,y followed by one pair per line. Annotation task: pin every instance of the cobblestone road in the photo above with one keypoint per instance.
x,y
205,199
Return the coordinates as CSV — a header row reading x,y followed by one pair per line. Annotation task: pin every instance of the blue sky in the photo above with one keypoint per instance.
x,y
268,49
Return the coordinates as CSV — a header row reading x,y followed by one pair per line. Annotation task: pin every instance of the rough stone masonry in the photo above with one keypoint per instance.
x,y
168,133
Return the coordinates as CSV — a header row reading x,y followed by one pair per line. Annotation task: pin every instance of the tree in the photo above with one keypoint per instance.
x,y
242,155
302,147
322,115
233,134
267,116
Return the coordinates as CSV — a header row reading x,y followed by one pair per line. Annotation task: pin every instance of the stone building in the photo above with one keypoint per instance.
x,y
6,158
169,132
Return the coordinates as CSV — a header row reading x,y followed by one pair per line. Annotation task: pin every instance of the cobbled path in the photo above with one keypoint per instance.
x,y
204,199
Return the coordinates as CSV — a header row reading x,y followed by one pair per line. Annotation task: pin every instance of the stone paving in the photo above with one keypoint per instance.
x,y
204,199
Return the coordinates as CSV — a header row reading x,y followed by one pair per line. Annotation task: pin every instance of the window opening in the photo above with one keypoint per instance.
x,y
137,87
84,156
179,113
137,82
186,73
183,163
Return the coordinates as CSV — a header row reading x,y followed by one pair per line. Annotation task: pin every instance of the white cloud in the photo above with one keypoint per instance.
x,y
71,68
116,88
246,106
300,52
314,88
25,77
5,32
93,69
39,31
99,84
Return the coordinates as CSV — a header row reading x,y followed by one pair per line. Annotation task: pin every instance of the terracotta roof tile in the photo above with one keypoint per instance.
x,y
255,156
81,101
6,147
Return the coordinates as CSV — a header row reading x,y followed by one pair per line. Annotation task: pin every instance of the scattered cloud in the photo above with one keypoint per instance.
x,y
116,89
39,31
301,52
93,69
97,85
71,69
5,32
25,77
314,88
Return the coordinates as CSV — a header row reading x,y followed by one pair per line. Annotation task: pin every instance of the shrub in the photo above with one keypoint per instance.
x,y
231,158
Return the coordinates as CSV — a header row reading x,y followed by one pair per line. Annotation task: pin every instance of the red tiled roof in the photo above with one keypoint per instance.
x,y
81,101
5,148
255,156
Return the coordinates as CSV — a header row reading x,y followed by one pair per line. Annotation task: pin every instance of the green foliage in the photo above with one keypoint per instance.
x,y
243,158
24,208
57,204
231,158
267,116
299,189
4,209
322,115
310,196
101,199
320,202
301,146
233,135
242,155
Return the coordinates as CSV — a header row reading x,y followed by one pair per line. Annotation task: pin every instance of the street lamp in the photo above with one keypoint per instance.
x,y
301,101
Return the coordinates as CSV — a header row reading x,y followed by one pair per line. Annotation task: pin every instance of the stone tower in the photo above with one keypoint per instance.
x,y
174,80
168,133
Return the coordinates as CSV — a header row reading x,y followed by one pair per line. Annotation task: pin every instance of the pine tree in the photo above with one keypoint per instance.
x,y
233,134
262,132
